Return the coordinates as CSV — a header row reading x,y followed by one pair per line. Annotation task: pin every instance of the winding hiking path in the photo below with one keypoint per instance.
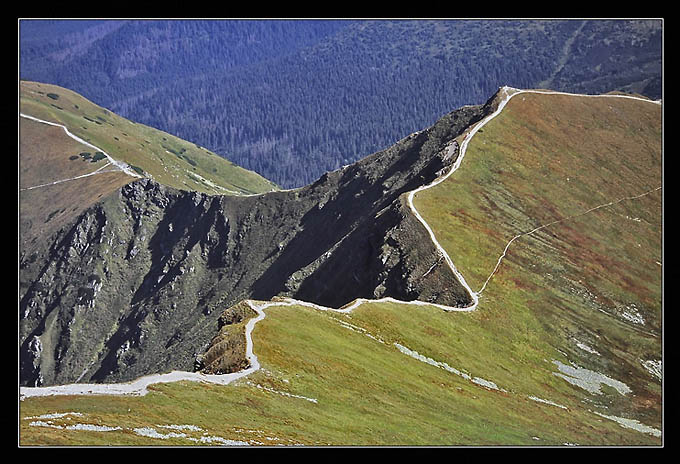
x,y
139,386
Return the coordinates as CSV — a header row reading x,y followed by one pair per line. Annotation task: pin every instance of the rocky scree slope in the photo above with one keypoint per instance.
x,y
139,283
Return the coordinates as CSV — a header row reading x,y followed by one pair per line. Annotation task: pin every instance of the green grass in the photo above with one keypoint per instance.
x,y
168,159
366,392
532,165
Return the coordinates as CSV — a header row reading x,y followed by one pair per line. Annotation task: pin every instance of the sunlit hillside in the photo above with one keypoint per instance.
x,y
167,159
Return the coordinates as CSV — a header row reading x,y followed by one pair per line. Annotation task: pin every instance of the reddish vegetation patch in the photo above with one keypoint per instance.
x,y
522,283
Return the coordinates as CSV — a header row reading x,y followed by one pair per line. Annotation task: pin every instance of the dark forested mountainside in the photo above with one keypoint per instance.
x,y
294,99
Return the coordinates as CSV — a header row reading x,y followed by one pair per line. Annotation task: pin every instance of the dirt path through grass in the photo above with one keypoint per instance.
x,y
509,93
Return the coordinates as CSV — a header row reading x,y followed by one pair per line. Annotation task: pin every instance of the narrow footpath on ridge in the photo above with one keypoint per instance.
x,y
139,386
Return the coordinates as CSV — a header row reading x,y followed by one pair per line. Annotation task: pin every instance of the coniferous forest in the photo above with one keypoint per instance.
x,y
292,99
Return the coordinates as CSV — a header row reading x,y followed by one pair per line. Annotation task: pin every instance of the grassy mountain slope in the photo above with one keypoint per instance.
x,y
167,159
590,285
325,382
45,157
554,354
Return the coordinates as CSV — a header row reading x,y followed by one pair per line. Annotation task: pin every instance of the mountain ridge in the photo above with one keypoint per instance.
x,y
148,151
160,243
72,148
532,316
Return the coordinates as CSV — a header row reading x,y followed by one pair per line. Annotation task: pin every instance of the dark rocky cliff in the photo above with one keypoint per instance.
x,y
137,284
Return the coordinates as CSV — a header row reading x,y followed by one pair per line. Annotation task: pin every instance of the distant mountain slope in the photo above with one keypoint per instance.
x,y
293,99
